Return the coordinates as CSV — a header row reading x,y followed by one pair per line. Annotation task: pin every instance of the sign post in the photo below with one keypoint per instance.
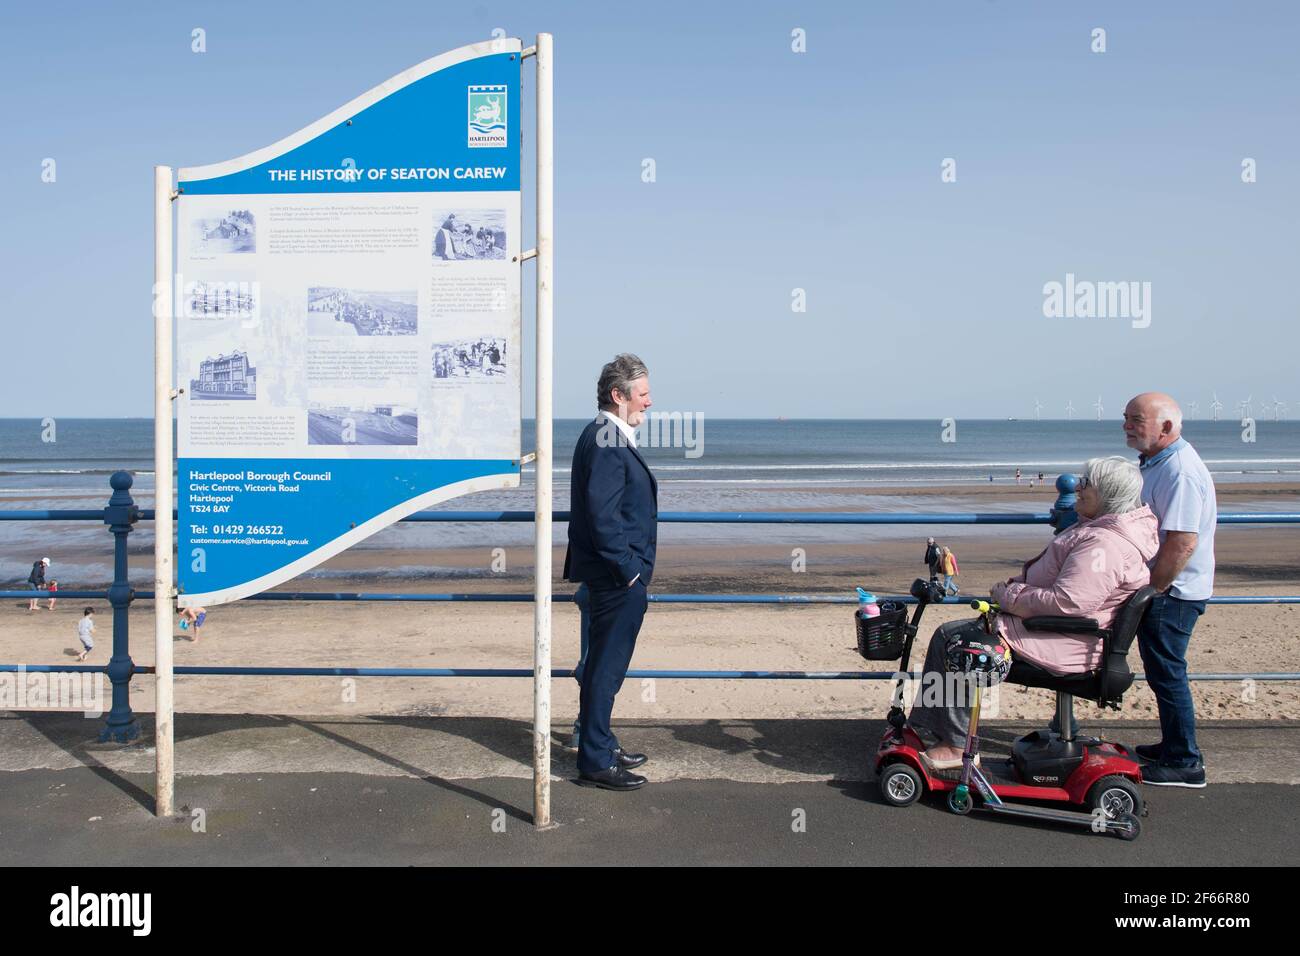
x,y
542,518
163,588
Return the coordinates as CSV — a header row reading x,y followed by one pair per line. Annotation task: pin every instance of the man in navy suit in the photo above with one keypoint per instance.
x,y
612,535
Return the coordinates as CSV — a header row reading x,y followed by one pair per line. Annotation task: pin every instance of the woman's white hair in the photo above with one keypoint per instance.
x,y
1118,483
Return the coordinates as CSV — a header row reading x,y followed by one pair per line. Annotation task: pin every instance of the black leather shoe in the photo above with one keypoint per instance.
x,y
629,761
615,778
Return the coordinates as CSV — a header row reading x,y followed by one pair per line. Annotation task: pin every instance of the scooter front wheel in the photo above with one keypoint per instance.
x,y
1129,829
960,802
900,785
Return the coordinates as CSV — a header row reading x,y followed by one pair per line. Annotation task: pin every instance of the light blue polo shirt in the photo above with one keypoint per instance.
x,y
1179,489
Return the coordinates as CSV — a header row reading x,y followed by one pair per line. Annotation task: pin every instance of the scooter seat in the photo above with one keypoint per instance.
x,y
1087,686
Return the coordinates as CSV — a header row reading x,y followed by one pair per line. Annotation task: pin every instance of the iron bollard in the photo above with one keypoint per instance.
x,y
1063,513
120,514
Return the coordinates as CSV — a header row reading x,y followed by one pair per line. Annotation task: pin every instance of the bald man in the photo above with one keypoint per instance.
x,y
1178,487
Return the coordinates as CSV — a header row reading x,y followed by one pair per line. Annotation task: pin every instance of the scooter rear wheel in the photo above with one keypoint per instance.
x,y
900,785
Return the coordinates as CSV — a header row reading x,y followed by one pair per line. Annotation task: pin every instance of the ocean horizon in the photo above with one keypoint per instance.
x,y
742,465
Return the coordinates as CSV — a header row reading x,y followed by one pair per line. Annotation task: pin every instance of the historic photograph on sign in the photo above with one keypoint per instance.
x,y
233,231
469,234
336,311
345,417
233,299
230,376
479,358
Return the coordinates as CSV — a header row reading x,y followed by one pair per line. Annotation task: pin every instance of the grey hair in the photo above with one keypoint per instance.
x,y
618,374
1118,483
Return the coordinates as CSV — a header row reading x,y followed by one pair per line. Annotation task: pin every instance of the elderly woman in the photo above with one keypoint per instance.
x,y
1089,570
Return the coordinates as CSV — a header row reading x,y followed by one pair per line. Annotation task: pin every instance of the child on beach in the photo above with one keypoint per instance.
x,y
53,589
86,632
192,617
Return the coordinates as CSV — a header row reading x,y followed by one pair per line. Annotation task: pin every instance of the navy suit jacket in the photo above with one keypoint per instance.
x,y
614,511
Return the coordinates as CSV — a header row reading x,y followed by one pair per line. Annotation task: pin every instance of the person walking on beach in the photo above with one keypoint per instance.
x,y
86,632
948,562
932,558
36,581
612,536
1178,487
53,590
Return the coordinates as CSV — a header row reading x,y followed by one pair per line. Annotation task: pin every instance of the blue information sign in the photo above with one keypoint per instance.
x,y
348,324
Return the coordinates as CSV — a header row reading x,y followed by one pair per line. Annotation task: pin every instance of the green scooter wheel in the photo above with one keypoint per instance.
x,y
960,802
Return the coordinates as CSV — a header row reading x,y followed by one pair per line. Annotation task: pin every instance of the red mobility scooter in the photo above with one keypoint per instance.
x,y
1099,778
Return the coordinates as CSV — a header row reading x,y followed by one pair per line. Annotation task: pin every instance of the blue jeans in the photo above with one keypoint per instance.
x,y
1162,640
582,598
948,586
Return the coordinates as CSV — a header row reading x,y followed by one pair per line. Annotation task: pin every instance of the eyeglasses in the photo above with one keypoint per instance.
x,y
1083,483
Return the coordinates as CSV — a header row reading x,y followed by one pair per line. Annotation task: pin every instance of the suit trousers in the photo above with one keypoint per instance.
x,y
615,620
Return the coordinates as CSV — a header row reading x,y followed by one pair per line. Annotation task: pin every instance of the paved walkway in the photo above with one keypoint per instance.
x,y
271,789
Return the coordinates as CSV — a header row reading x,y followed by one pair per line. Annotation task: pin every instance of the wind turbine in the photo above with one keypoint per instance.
x,y
1278,409
1192,406
1097,405
1038,410
1216,406
1069,410
1244,406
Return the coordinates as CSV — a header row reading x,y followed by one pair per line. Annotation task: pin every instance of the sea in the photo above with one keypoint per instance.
x,y
726,465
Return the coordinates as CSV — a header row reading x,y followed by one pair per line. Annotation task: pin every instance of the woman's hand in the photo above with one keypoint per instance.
x,y
997,591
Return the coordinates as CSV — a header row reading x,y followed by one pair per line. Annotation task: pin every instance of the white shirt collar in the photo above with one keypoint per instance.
x,y
628,431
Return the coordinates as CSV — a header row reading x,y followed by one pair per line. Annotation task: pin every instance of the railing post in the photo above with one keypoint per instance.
x,y
120,514
1063,513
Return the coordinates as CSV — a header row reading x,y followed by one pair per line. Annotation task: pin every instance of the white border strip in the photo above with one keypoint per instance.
x,y
349,538
369,98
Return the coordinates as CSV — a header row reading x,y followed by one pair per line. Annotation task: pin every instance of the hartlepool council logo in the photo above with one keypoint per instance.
x,y
487,116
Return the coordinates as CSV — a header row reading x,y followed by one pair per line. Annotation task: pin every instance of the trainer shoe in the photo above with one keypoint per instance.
x,y
1162,775
1149,752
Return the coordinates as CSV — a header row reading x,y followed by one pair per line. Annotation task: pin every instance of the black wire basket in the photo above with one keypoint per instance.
x,y
881,638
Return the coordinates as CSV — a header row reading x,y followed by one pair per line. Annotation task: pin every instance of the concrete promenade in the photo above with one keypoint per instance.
x,y
265,789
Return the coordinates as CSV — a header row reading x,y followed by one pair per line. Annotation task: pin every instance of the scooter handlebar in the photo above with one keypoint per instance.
x,y
983,606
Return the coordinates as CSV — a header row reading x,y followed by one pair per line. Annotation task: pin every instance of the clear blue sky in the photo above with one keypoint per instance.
x,y
776,170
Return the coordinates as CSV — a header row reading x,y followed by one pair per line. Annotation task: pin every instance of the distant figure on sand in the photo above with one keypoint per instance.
x,y
932,557
36,581
1017,476
86,632
948,561
53,589
192,618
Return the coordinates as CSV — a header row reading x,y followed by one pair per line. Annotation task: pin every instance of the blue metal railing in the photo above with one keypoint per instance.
x,y
122,513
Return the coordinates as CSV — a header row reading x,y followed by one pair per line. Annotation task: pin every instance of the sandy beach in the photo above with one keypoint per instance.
x,y
1251,560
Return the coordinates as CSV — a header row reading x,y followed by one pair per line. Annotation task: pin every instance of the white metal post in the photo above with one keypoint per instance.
x,y
162,469
542,518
